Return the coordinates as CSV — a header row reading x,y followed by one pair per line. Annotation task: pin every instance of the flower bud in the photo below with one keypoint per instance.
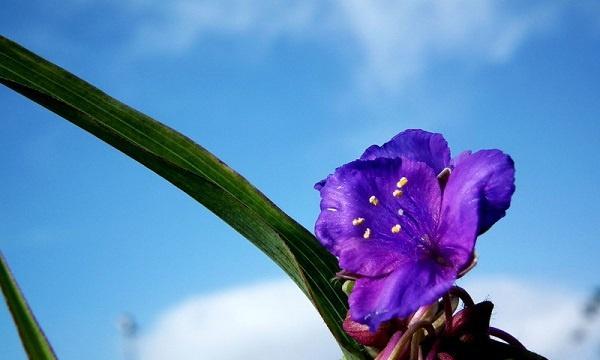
x,y
471,324
364,336
348,286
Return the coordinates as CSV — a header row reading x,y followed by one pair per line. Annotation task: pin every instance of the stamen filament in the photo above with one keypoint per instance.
x,y
404,341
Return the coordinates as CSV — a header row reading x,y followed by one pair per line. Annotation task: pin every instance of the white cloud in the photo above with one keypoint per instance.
x,y
274,321
543,316
264,321
396,40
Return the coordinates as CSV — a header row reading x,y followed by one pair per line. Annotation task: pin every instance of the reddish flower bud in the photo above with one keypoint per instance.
x,y
363,335
471,324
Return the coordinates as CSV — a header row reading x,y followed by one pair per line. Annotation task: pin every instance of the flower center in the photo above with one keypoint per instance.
x,y
427,250
374,201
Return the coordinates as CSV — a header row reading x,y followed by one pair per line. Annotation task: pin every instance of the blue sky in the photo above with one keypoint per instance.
x,y
284,92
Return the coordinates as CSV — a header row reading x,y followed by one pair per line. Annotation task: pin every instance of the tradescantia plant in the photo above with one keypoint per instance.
x,y
402,222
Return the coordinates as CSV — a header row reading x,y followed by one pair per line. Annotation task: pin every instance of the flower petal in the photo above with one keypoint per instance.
x,y
375,257
371,237
397,295
477,195
489,176
414,144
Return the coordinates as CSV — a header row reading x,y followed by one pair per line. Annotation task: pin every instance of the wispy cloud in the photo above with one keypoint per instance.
x,y
177,26
396,40
274,320
400,39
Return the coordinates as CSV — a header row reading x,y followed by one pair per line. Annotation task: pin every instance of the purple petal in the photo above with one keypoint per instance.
x,y
345,197
373,257
318,186
414,144
397,295
488,176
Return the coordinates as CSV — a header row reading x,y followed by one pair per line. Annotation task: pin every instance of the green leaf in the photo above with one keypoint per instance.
x,y
35,343
191,168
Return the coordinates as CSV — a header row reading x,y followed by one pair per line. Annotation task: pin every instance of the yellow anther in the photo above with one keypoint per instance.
x,y
403,180
373,200
396,228
358,221
367,233
397,193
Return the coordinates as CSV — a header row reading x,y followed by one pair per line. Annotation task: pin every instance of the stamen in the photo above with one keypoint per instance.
x,y
403,180
373,200
396,228
358,221
400,212
397,193
367,233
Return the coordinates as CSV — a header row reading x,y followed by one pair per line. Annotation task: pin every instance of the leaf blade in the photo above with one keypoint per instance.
x,y
34,341
189,167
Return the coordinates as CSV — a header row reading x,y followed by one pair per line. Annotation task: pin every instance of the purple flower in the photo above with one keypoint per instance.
x,y
402,232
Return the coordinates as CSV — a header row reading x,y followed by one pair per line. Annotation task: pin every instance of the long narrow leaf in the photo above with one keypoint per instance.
x,y
189,167
35,343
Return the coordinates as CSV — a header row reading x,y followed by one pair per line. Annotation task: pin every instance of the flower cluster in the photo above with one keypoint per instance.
x,y
403,221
